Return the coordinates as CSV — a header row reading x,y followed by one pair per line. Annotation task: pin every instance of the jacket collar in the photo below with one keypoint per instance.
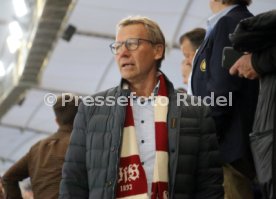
x,y
126,91
65,128
212,21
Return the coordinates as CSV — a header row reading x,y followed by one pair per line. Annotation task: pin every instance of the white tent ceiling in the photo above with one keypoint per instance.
x,y
85,65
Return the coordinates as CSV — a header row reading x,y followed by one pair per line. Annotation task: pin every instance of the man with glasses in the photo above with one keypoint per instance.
x,y
150,147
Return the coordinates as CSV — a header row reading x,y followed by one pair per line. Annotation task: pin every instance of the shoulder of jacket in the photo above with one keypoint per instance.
x,y
190,106
109,92
98,100
90,99
44,141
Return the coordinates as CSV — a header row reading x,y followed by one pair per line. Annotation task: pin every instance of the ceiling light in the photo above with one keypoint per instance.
x,y
20,8
2,70
15,30
13,43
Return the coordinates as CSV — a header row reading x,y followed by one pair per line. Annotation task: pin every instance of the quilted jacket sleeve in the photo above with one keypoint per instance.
x,y
74,183
209,169
264,62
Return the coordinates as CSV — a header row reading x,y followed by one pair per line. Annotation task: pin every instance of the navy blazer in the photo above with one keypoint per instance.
x,y
234,123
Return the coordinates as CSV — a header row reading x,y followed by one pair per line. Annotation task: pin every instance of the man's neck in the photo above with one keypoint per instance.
x,y
144,88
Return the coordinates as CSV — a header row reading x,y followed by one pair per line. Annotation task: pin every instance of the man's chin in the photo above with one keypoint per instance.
x,y
126,76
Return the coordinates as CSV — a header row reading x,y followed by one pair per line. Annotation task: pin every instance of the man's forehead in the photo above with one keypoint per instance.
x,y
136,26
133,30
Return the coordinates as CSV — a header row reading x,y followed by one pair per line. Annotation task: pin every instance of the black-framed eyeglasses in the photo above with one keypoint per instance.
x,y
131,44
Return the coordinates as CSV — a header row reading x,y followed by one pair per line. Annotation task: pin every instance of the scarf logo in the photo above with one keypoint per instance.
x,y
128,174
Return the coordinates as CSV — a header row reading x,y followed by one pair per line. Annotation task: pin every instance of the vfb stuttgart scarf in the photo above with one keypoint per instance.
x,y
132,182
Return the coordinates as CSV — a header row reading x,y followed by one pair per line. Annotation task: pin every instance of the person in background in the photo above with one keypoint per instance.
x,y
255,37
189,43
141,148
234,121
43,163
185,70
262,65
2,196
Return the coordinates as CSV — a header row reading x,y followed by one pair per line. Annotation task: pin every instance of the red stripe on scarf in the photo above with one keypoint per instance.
x,y
162,87
132,179
160,186
161,136
129,121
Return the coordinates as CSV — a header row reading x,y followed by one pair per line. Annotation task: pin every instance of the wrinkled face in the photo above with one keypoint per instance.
x,y
186,70
137,65
188,51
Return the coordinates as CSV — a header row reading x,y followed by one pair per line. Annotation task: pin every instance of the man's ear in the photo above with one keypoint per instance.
x,y
159,49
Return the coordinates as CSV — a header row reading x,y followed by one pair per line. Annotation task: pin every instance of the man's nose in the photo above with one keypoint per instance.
x,y
123,50
189,61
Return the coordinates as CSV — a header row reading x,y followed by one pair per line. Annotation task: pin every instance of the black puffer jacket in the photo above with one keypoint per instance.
x,y
257,35
91,163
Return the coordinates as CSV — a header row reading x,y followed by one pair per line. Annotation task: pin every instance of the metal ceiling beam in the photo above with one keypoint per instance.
x,y
58,91
3,159
95,34
103,77
52,90
22,129
46,31
180,23
108,36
